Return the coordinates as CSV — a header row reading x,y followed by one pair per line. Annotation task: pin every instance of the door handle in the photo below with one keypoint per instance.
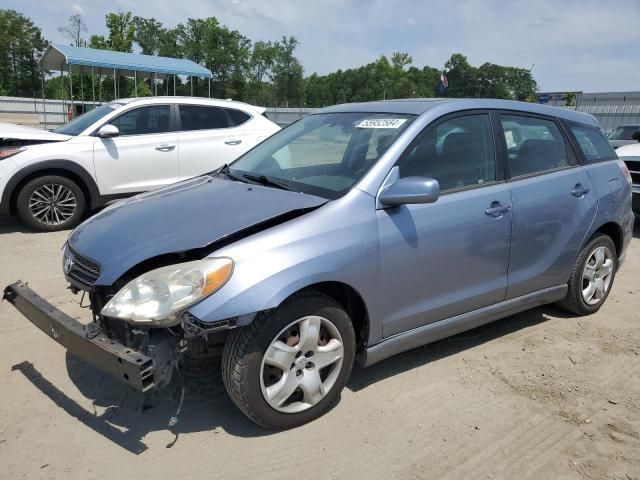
x,y
497,209
233,142
579,190
165,148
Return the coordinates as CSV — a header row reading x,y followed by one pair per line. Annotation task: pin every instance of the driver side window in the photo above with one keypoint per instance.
x,y
458,153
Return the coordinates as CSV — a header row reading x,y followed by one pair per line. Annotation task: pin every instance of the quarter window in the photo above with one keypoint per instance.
x,y
592,143
457,152
533,144
144,120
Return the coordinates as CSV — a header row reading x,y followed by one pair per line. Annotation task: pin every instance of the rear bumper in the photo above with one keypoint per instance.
x,y
112,358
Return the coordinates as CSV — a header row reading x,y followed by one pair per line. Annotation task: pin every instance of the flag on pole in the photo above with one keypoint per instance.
x,y
444,83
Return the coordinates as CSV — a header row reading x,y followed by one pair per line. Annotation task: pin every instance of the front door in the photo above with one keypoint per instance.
x,y
450,257
143,157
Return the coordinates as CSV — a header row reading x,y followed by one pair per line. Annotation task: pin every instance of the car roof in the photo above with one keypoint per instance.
x,y
419,106
218,102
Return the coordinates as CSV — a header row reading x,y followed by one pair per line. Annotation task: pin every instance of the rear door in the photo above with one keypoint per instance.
x,y
554,202
143,157
211,136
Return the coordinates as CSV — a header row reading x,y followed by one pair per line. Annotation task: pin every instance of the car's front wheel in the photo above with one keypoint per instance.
x,y
592,276
289,366
51,203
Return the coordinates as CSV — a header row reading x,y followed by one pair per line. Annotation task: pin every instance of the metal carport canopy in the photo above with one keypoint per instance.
x,y
57,57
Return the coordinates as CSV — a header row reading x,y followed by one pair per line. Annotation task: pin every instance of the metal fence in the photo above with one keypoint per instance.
x,y
53,113
610,116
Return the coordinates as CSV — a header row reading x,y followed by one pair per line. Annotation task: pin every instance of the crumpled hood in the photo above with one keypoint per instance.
x,y
181,217
21,132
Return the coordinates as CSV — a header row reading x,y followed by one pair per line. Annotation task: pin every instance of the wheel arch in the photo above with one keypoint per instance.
x,y
613,231
349,299
63,168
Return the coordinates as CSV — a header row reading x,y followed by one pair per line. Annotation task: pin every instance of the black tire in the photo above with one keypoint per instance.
x,y
574,301
245,348
28,217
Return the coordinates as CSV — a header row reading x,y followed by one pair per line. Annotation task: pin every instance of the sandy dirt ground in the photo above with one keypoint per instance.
x,y
539,395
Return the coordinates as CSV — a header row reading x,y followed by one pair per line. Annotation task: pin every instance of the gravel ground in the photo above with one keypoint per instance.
x,y
536,395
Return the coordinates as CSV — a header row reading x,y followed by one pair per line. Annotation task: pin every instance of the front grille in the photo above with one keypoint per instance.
x,y
80,270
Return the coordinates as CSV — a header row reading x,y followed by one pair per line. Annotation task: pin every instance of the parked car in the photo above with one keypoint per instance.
x,y
624,135
630,154
119,149
355,233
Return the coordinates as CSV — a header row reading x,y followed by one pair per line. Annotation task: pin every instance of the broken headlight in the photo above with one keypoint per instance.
x,y
156,298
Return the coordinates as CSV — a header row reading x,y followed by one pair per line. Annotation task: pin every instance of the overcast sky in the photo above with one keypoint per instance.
x,y
587,45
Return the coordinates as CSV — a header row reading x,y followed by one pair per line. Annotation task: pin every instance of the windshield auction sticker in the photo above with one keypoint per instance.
x,y
381,123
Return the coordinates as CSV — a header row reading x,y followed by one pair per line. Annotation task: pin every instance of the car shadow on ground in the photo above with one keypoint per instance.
x,y
125,417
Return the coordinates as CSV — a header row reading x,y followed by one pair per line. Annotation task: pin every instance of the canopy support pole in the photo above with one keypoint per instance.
x,y
44,104
115,92
135,83
191,85
62,95
166,85
209,87
174,85
82,89
71,93
155,83
100,88
93,88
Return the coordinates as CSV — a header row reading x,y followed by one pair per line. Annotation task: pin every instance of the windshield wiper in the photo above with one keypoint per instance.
x,y
225,170
264,180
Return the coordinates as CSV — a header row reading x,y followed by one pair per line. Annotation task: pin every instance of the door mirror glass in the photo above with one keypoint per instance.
x,y
410,190
108,131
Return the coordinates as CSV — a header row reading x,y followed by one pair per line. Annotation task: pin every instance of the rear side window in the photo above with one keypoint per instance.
x,y
533,145
198,117
144,120
591,141
457,152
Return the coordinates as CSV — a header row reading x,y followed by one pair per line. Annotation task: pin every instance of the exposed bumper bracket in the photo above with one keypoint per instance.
x,y
119,361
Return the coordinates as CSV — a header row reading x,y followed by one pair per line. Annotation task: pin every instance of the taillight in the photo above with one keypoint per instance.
x,y
625,171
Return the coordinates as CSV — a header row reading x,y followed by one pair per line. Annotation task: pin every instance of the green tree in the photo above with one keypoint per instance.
x,y
21,46
122,31
147,34
287,73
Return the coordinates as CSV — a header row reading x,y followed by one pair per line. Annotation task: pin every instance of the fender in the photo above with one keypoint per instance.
x,y
94,199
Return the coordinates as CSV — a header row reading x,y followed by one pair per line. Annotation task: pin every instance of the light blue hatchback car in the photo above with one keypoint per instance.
x,y
358,232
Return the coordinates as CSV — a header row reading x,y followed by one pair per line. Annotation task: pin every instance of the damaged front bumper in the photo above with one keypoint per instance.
x,y
121,362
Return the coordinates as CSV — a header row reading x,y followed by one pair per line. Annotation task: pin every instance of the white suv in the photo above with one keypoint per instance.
x,y
118,149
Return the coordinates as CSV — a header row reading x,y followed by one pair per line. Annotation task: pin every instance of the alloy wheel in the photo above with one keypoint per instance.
x,y
301,364
52,204
597,275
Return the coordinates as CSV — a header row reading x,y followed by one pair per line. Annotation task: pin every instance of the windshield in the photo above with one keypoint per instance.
x,y
624,133
323,154
81,123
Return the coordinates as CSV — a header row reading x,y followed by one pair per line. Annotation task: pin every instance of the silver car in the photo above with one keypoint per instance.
x,y
356,233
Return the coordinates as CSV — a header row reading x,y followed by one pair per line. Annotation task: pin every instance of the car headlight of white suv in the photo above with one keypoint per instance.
x,y
157,298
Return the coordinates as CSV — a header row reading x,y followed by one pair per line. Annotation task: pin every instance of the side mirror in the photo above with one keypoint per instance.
x,y
410,190
636,136
108,131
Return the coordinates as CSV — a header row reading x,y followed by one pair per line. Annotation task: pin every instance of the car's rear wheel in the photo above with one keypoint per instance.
x,y
289,366
592,276
51,203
